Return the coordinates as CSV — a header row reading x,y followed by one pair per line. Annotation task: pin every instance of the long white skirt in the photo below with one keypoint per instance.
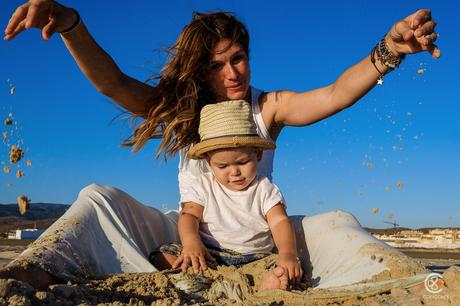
x,y
107,231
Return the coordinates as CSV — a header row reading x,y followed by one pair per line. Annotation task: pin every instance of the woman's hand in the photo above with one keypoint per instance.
x,y
47,15
194,254
291,265
413,34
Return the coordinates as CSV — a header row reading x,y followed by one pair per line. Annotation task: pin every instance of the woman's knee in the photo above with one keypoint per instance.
x,y
343,217
332,219
94,189
100,195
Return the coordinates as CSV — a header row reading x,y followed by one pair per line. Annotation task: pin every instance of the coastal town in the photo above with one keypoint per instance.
x,y
436,238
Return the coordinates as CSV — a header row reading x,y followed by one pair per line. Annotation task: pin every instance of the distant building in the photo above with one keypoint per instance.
x,y
433,239
25,234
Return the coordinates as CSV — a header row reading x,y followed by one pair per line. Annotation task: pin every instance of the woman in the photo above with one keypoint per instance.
x,y
107,231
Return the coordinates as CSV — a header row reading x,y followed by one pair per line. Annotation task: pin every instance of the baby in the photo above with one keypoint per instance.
x,y
232,215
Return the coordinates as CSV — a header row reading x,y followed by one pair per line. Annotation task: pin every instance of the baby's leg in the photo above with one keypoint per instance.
x,y
163,261
275,279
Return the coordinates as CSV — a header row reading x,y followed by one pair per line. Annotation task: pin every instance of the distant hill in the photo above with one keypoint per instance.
x,y
40,215
37,211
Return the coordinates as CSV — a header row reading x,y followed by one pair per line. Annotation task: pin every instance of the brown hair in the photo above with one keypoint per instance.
x,y
182,89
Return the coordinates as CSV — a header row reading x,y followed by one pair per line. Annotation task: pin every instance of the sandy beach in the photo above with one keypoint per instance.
x,y
229,285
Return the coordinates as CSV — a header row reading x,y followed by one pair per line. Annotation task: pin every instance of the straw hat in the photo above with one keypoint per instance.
x,y
227,124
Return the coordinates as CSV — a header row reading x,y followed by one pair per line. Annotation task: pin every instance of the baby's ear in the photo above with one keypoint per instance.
x,y
259,153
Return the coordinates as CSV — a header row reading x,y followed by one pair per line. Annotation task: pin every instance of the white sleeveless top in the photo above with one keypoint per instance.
x,y
190,169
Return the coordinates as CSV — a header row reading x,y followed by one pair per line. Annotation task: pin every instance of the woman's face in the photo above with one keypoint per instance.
x,y
229,71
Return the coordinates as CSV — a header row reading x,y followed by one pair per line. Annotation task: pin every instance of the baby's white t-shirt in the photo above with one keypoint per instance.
x,y
235,220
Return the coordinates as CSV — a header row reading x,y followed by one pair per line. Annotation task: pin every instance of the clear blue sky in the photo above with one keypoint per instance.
x,y
406,129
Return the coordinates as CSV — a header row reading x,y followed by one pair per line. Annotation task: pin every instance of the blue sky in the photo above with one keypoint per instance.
x,y
404,131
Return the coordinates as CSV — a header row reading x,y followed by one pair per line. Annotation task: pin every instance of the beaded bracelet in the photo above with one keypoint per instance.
x,y
387,58
74,25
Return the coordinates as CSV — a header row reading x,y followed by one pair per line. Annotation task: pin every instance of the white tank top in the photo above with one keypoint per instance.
x,y
189,169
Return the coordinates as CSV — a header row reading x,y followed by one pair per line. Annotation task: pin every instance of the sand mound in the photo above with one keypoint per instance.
x,y
399,265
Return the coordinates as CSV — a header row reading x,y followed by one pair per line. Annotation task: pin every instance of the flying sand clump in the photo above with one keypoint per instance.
x,y
19,174
16,154
23,204
12,146
8,121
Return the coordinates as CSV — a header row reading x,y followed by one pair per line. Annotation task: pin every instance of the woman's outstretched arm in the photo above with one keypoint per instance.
x,y
413,34
96,64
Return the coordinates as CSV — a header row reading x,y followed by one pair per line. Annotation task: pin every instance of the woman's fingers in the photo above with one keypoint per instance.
x,y
420,17
18,16
426,29
434,51
401,31
49,29
32,16
431,38
20,27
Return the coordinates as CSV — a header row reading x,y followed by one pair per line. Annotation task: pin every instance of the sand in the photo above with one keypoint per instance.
x,y
229,286
398,264
23,204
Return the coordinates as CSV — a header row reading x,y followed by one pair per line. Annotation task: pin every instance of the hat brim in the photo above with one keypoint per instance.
x,y
199,149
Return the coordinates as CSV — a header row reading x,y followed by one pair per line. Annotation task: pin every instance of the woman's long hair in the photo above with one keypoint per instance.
x,y
182,88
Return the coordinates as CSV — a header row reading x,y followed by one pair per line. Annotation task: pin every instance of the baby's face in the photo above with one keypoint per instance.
x,y
235,168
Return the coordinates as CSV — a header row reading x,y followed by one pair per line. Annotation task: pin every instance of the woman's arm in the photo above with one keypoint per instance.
x,y
284,238
99,67
194,253
412,35
93,61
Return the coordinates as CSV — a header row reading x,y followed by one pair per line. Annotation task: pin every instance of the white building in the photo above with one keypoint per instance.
x,y
29,233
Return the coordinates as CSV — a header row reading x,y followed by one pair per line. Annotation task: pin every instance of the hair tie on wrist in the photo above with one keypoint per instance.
x,y
74,25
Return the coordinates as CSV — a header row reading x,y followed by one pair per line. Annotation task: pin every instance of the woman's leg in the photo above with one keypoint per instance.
x,y
335,250
105,231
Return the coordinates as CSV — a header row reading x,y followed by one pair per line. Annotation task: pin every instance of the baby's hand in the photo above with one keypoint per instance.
x,y
291,265
194,254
